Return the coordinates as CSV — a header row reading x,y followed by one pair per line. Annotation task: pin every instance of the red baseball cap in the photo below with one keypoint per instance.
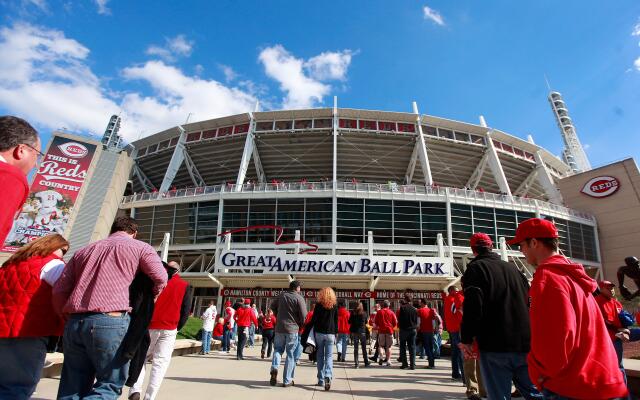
x,y
480,240
247,301
534,228
605,284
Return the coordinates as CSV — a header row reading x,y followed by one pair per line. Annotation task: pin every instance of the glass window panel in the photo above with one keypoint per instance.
x,y
162,223
348,123
589,238
235,216
445,133
290,217
208,222
144,217
387,126
477,139
563,232
210,134
318,219
174,141
244,128
262,212
193,136
284,125
322,123
185,223
406,127
369,125
429,130
264,126
350,220
506,222
461,224
303,124
406,222
434,221
576,242
462,136
378,218
227,130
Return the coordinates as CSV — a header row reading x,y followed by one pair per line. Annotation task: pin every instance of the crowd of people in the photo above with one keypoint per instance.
x,y
116,306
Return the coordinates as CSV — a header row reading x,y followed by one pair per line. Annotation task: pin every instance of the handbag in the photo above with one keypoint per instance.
x,y
310,345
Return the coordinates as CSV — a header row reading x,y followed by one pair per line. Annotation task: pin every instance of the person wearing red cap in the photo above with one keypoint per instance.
x,y
229,322
611,308
244,318
571,353
496,320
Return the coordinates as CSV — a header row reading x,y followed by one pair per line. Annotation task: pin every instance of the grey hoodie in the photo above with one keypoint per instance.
x,y
290,311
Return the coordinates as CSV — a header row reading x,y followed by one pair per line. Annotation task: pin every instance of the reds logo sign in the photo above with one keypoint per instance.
x,y
73,150
601,186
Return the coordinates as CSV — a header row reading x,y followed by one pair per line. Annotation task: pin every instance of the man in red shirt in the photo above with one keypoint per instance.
x,y
93,294
611,308
386,322
19,154
343,331
452,320
244,317
169,316
426,319
571,352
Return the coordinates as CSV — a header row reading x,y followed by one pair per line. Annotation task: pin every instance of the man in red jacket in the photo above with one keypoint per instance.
x,y
244,317
169,316
611,308
452,320
343,330
19,154
386,321
571,353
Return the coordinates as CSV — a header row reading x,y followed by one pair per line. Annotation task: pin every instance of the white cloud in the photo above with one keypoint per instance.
x,y
102,7
300,79
637,63
174,47
41,4
433,15
636,30
229,73
48,82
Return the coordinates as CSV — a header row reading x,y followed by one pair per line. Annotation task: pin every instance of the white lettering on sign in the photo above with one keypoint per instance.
x,y
278,262
601,186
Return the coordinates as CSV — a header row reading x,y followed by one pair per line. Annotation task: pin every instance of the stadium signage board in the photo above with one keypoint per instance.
x,y
601,186
53,192
279,262
343,294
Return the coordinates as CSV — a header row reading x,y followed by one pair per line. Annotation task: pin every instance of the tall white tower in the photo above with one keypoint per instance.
x,y
573,153
111,139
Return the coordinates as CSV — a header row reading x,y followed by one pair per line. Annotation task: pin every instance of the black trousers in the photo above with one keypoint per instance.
x,y
408,342
267,341
242,341
360,338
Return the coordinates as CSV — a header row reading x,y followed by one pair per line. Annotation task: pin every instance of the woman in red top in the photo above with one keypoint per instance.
x,y
27,318
343,330
267,323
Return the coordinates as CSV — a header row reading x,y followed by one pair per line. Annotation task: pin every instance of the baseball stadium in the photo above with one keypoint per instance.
x,y
397,192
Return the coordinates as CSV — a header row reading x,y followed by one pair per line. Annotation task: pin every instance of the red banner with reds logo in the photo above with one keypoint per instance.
x,y
53,193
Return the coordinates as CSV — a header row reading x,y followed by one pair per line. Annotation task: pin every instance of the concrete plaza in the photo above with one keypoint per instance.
x,y
221,376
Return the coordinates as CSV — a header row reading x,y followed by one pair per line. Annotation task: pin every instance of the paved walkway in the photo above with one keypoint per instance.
x,y
220,376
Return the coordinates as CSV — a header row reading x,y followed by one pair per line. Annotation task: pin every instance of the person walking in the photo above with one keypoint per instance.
x,y
244,318
268,324
93,293
27,316
169,316
208,318
374,333
290,310
437,333
426,318
325,328
571,352
407,324
253,328
496,316
229,324
358,329
452,319
19,154
343,331
386,322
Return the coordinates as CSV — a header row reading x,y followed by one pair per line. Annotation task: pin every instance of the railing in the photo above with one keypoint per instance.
x,y
473,196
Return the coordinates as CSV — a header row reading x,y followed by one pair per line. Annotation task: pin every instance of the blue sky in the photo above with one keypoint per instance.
x,y
74,63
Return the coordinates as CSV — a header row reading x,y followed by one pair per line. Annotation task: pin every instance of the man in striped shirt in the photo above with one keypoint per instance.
x,y
93,294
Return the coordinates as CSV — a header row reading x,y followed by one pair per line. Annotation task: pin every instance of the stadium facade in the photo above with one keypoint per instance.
x,y
390,199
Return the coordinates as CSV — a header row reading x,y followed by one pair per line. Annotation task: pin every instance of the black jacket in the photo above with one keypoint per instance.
x,y
136,341
496,306
357,322
324,320
407,317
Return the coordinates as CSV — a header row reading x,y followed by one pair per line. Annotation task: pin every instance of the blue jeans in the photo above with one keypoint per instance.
x,y
92,351
206,341
342,343
285,342
299,349
427,347
324,356
252,334
457,363
499,369
226,339
21,365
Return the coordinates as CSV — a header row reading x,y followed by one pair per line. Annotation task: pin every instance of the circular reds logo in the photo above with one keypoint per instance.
x,y
73,150
601,186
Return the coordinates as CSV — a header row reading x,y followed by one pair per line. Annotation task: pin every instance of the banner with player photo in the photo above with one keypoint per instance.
x,y
53,193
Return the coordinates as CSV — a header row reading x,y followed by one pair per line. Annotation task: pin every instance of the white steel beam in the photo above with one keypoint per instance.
x,y
422,149
179,155
474,179
546,180
524,187
146,183
249,150
494,163
408,176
